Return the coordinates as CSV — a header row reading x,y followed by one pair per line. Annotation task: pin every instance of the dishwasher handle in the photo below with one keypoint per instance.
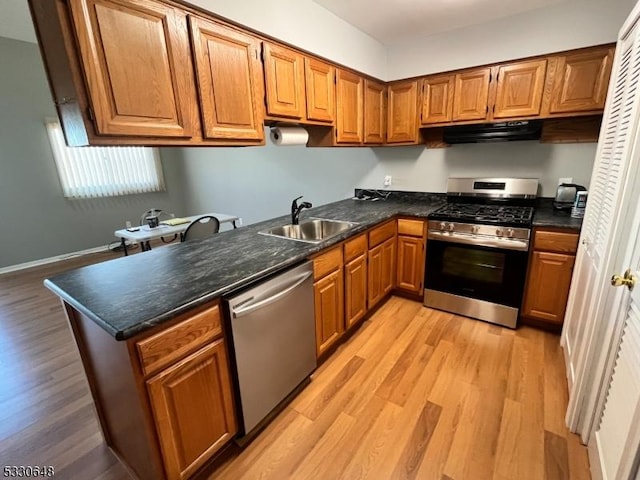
x,y
250,307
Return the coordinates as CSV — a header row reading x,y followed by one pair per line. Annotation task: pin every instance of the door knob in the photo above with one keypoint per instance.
x,y
628,280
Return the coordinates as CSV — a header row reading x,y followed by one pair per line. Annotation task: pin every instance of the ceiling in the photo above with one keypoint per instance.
x,y
393,21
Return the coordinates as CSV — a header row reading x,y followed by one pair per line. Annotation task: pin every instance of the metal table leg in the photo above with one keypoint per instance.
x,y
123,243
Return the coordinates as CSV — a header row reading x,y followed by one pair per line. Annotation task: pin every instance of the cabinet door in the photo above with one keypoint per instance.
x,y
374,112
548,286
229,75
471,95
284,79
320,88
355,287
519,90
402,116
581,81
193,409
382,264
388,265
137,65
437,100
329,310
349,103
410,263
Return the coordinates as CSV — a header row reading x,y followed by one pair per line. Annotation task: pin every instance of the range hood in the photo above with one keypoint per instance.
x,y
494,132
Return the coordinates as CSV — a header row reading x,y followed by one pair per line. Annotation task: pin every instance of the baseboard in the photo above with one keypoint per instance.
x,y
57,258
595,459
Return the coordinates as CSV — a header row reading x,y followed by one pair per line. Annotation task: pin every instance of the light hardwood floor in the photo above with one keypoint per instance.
x,y
414,394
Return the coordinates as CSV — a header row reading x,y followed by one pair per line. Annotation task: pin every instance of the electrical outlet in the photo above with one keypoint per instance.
x,y
128,223
565,180
387,181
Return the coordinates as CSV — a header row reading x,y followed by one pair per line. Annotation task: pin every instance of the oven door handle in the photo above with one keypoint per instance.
x,y
519,245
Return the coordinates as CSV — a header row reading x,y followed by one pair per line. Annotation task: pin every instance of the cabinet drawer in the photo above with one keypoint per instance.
x,y
327,262
555,241
381,233
414,228
355,247
166,347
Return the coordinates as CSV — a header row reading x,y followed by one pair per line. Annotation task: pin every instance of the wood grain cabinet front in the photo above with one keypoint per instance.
x,y
437,99
549,276
284,79
320,85
471,95
229,81
349,107
402,112
137,65
329,310
411,255
382,271
519,89
193,409
581,81
375,112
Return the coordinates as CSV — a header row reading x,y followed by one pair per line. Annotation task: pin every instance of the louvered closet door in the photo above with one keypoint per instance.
x,y
617,438
584,318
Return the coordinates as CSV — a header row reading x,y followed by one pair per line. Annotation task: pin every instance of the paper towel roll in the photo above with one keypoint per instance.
x,y
284,136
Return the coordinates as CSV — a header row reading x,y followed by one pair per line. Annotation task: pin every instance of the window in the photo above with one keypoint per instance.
x,y
90,172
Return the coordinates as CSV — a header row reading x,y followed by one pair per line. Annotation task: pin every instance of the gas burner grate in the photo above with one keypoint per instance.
x,y
496,214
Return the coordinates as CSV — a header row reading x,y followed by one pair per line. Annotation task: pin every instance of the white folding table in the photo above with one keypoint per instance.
x,y
145,234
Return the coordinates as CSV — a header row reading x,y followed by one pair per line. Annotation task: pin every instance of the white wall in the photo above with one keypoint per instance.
x,y
307,25
420,169
257,183
563,26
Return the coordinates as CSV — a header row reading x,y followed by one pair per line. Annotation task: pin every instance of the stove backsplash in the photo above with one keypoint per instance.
x,y
426,170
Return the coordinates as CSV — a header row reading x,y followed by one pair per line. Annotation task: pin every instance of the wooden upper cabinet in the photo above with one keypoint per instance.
x,y
374,112
519,90
471,95
284,79
581,81
437,99
229,81
349,106
137,64
321,93
402,112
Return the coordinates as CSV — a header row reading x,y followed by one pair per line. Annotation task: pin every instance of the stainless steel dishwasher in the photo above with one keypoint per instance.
x,y
273,333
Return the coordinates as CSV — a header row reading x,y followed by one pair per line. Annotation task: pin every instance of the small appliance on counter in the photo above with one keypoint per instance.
x,y
566,196
577,211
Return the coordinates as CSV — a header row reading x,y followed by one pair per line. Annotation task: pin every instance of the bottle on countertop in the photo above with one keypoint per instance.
x,y
577,211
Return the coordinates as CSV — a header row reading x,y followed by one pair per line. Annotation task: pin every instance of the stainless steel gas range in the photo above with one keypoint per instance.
x,y
478,246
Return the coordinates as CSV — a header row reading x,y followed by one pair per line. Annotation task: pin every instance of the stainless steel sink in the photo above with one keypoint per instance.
x,y
313,231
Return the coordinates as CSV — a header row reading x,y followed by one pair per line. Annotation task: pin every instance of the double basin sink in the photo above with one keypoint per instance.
x,y
314,230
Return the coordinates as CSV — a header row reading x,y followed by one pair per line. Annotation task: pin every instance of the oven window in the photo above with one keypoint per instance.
x,y
491,274
477,265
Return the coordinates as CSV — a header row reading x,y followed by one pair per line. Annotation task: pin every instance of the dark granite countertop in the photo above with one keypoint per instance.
x,y
547,216
128,295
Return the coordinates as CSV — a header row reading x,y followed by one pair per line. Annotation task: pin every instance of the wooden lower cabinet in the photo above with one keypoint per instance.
x,y
548,286
193,409
410,264
382,264
329,310
355,288
549,276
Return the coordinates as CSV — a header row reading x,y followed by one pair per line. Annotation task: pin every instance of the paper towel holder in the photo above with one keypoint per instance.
x,y
280,134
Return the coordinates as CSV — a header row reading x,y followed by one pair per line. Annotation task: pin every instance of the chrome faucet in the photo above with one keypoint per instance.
x,y
296,209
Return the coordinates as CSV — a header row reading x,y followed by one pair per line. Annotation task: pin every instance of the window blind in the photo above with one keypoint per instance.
x,y
92,172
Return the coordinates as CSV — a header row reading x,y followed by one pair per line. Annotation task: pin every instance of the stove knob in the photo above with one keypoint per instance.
x,y
474,229
443,226
499,232
451,227
510,232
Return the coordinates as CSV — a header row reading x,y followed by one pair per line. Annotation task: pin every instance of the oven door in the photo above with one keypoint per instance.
x,y
494,277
